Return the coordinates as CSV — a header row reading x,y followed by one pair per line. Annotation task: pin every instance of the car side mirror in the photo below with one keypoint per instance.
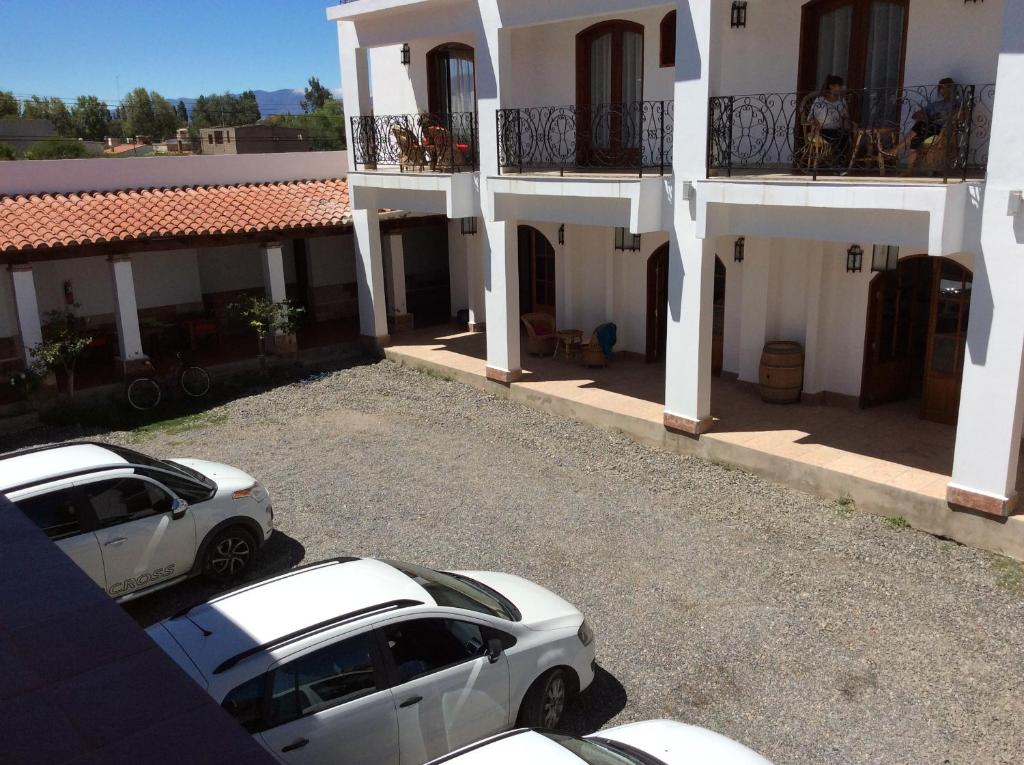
x,y
178,508
494,649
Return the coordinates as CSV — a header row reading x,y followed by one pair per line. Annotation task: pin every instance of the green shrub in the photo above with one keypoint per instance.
x,y
58,148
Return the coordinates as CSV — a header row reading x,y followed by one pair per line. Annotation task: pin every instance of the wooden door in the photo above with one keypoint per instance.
x,y
537,259
947,342
718,319
895,344
862,41
657,303
609,93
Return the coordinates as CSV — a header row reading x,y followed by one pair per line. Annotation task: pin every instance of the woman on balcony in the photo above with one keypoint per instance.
x,y
831,117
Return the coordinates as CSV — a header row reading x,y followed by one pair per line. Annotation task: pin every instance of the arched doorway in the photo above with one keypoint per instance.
x,y
916,335
609,92
657,309
536,272
451,79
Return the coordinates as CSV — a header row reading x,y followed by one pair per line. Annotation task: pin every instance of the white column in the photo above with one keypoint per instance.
x,y
609,283
501,298
475,283
126,310
394,275
499,239
691,282
273,271
691,261
992,395
373,324
756,272
27,307
355,83
458,268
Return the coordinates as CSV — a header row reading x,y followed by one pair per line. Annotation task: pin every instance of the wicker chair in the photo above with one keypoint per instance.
x,y
592,354
446,153
410,152
814,151
540,333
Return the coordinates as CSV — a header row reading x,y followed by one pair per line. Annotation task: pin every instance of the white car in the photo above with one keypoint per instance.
x,y
137,524
655,742
357,661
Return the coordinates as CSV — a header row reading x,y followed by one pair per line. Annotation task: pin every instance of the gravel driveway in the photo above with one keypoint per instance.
x,y
809,632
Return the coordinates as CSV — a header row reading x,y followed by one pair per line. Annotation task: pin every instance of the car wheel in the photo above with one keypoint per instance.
x,y
229,554
545,701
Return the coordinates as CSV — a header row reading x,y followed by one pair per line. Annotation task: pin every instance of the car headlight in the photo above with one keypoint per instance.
x,y
585,634
256,491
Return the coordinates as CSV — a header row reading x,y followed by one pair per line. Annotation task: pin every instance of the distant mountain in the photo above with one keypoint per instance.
x,y
282,101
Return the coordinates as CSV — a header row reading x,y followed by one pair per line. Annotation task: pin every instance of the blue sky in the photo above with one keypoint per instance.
x,y
180,47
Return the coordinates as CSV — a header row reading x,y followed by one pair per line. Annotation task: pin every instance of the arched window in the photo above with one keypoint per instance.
x,y
667,56
451,79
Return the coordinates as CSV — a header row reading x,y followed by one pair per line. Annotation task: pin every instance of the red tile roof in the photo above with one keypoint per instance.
x,y
36,222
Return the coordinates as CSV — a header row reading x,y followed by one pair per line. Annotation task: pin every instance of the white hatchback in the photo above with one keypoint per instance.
x,y
356,661
655,742
137,524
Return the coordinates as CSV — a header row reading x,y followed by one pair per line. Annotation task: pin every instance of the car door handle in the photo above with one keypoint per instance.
x,y
296,744
115,541
410,701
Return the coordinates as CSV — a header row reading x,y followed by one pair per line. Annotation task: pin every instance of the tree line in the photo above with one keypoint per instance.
x,y
147,113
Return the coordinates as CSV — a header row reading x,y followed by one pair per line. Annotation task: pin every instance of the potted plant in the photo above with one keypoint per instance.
x,y
62,344
269,318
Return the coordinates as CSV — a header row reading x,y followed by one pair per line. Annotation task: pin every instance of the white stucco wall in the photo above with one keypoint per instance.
x,y
90,279
234,267
166,278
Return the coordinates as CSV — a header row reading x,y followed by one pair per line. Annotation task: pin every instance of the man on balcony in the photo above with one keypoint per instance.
x,y
929,124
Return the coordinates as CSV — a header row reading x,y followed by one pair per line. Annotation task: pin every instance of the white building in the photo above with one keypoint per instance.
x,y
564,128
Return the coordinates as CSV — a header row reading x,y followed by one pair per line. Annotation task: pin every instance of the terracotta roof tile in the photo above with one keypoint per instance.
x,y
30,222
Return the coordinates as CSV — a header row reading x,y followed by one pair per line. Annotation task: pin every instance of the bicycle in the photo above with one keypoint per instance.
x,y
147,392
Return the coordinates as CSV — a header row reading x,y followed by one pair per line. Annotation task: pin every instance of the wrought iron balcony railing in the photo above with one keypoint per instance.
x,y
436,143
927,131
632,136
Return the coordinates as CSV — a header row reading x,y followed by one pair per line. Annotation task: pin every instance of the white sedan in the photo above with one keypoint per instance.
x,y
655,742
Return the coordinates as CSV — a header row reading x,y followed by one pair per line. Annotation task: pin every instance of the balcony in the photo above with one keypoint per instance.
x,y
608,138
916,132
416,143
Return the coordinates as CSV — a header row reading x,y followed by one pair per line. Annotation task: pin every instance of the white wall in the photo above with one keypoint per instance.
x,y
166,278
332,260
235,267
106,174
91,283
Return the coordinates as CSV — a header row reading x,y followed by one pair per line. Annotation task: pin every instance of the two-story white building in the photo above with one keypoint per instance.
x,y
685,171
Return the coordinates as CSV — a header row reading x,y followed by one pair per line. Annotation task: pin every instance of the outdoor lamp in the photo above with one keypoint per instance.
x,y
561,234
626,241
884,257
739,14
737,249
406,54
854,259
468,226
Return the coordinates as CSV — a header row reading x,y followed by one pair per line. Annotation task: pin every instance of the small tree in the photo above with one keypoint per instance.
x,y
265,316
62,344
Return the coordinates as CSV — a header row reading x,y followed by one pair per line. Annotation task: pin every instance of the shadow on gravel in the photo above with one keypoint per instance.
x,y
604,699
279,554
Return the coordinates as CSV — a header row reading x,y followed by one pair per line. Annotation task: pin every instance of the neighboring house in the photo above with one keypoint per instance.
x,y
621,171
22,134
252,139
131,149
182,143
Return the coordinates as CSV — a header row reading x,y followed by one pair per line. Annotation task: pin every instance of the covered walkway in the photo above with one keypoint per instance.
x,y
886,459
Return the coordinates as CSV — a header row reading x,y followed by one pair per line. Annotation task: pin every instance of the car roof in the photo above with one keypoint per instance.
x,y
512,748
40,465
243,622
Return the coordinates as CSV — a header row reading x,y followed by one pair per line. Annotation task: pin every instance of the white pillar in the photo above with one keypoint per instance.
x,y
27,307
499,240
355,83
992,395
475,282
501,297
273,272
756,272
394,275
126,310
812,333
691,282
609,283
373,324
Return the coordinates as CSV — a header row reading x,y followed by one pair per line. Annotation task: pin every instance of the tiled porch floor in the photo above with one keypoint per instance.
x,y
886,444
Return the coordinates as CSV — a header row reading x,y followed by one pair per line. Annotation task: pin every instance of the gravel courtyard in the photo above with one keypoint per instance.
x,y
813,633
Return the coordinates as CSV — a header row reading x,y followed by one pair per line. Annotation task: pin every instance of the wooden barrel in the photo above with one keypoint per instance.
x,y
781,375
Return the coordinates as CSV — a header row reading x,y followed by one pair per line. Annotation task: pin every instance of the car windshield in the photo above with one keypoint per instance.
x,y
138,458
459,591
602,751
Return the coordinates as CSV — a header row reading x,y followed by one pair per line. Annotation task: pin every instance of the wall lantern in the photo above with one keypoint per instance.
x,y
737,249
626,241
884,257
739,14
468,226
854,259
561,234
406,54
